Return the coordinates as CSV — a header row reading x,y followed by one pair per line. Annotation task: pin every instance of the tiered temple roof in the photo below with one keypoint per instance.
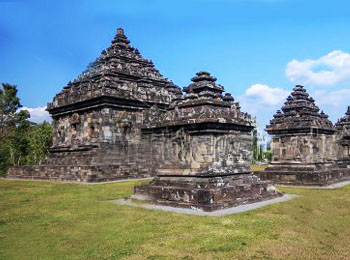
x,y
202,103
299,114
120,71
344,122
205,91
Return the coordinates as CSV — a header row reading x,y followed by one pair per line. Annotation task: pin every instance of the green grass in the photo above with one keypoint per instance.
x,y
43,220
256,168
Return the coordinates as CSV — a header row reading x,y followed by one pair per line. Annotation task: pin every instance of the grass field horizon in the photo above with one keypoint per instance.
x,y
51,220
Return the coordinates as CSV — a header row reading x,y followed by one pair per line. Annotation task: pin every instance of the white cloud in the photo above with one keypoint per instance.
x,y
336,99
333,103
329,70
38,114
266,95
262,101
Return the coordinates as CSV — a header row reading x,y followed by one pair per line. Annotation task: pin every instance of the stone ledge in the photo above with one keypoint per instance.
x,y
311,178
217,213
333,186
74,182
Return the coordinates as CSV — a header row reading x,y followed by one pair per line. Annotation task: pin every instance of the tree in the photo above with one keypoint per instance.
x,y
9,118
19,141
255,145
258,151
40,140
268,155
5,158
9,104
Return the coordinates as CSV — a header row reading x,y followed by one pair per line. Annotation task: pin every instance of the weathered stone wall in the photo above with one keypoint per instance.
x,y
107,139
93,163
178,152
342,142
80,173
343,152
303,148
103,125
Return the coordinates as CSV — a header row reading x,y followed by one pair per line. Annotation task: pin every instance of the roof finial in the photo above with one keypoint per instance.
x,y
348,112
120,31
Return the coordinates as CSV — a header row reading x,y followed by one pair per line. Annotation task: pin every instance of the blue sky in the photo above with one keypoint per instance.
x,y
258,49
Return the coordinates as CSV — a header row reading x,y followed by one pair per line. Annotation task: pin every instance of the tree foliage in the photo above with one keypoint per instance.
x,y
40,140
21,141
9,105
258,151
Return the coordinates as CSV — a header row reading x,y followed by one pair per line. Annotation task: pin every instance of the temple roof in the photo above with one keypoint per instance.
x,y
344,122
203,90
202,103
120,71
121,57
204,81
299,112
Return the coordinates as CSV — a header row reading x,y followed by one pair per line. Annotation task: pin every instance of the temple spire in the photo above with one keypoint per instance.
x,y
299,111
120,31
344,122
120,40
118,64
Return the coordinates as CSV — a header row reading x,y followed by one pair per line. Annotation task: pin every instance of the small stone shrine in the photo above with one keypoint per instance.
x,y
202,144
304,144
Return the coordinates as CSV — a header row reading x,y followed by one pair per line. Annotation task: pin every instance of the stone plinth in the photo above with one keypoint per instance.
x,y
207,193
304,174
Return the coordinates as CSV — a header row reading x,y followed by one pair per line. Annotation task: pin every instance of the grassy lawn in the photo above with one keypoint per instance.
x,y
42,220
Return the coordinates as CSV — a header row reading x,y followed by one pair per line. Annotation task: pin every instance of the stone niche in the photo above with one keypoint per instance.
x,y
202,149
304,144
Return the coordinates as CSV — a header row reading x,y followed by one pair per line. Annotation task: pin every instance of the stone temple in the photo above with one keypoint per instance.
x,y
98,118
122,119
306,148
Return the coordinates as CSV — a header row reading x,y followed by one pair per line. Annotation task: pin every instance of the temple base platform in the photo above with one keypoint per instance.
x,y
304,174
74,173
207,193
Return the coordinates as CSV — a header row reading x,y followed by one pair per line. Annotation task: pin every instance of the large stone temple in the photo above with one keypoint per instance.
x,y
306,148
98,118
